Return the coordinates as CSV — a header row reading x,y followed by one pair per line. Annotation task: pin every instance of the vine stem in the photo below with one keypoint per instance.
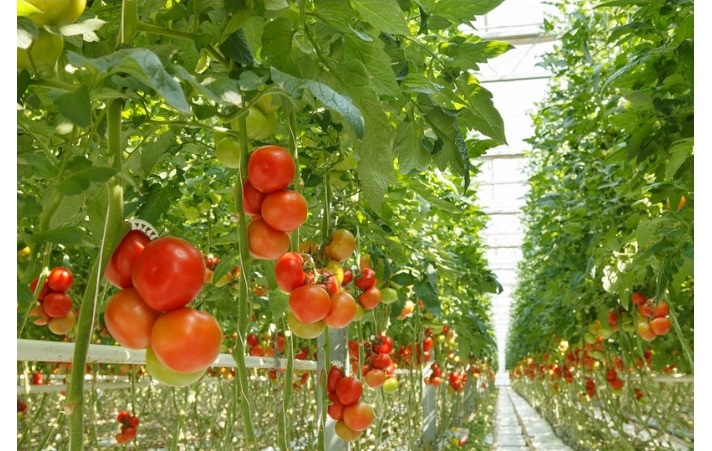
x,y
243,310
113,230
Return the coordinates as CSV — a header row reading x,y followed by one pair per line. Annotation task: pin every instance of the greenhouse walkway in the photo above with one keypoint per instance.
x,y
520,427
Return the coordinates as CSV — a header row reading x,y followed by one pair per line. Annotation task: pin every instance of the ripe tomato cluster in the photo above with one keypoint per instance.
x,y
457,380
275,210
129,423
436,375
613,380
157,280
378,366
54,305
653,319
352,416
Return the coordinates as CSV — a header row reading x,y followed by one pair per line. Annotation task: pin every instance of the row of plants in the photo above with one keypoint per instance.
x,y
265,151
607,269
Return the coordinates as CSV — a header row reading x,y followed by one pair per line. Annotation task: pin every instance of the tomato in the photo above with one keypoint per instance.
x,y
38,315
381,361
308,247
56,12
289,271
389,295
45,52
227,150
365,262
129,319
284,210
342,310
366,280
337,269
360,312
270,168
662,309
359,416
309,303
251,199
369,299
345,433
638,298
264,242
266,104
645,331
304,330
57,305
333,378
349,390
327,281
659,326
341,246
43,292
390,385
167,376
169,273
60,279
62,325
260,124
186,339
119,271
375,378
348,277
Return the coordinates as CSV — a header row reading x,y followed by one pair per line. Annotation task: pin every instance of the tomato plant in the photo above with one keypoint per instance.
x,y
119,270
186,339
129,319
168,273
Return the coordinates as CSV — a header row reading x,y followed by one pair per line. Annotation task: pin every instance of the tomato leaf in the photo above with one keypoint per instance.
x,y
376,62
86,28
66,236
75,106
80,181
278,303
277,38
237,49
384,15
241,11
27,32
152,152
142,64
459,10
332,99
425,292
334,13
412,156
157,202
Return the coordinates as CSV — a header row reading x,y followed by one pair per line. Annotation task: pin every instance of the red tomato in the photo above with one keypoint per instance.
x,y
370,298
284,210
359,416
328,281
289,271
169,273
266,243
333,378
57,305
43,292
342,311
186,339
129,319
60,279
375,378
119,271
309,303
270,168
251,198
336,410
349,390
366,280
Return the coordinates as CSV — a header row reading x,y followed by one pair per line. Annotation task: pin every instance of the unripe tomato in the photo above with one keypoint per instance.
x,y
227,151
270,168
342,245
167,376
358,417
345,433
62,325
304,330
45,52
51,12
370,298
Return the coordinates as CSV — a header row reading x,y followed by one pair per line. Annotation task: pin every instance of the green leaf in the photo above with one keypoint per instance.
x,y
276,5
376,62
80,181
68,213
75,106
67,236
158,201
86,29
236,48
152,152
482,115
25,298
459,11
143,65
332,99
277,38
242,12
384,15
278,303
334,13
227,263
27,32
679,152
425,291
412,156
468,54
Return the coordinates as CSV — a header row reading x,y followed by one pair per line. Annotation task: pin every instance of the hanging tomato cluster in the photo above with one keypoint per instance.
x,y
378,367
653,319
276,211
457,380
129,423
352,416
157,280
54,305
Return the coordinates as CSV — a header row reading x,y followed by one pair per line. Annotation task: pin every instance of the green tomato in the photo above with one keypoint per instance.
x,y
167,376
265,104
204,206
256,122
388,295
191,213
227,152
390,385
74,10
270,125
51,12
45,52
